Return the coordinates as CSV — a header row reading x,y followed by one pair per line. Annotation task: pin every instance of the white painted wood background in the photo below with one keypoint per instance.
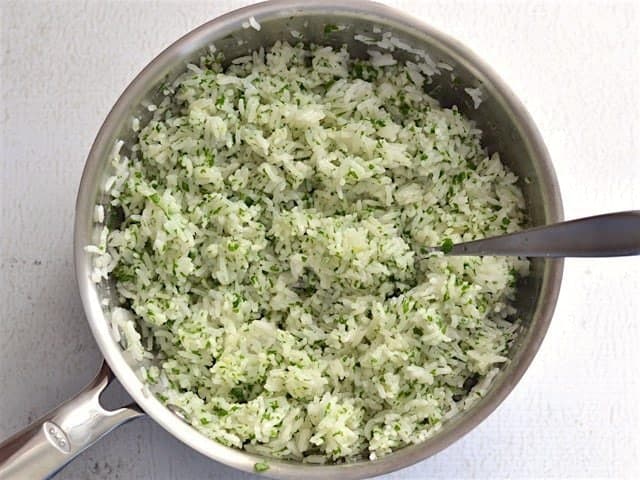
x,y
576,67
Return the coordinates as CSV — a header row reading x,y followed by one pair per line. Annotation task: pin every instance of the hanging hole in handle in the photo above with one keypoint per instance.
x,y
114,396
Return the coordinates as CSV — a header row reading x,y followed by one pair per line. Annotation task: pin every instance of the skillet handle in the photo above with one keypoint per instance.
x,y
44,447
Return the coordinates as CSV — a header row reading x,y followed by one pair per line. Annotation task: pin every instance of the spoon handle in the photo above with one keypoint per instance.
x,y
609,235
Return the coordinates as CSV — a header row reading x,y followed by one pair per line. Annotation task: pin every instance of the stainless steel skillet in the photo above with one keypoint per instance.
x,y
54,440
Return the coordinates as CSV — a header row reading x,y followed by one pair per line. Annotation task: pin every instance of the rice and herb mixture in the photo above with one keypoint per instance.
x,y
271,266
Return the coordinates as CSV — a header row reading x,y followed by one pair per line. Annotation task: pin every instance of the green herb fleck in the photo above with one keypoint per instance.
x,y
237,300
121,275
459,178
330,28
364,71
406,306
447,245
261,467
238,394
209,158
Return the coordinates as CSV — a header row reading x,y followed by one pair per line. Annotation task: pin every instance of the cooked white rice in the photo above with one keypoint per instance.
x,y
266,265
476,96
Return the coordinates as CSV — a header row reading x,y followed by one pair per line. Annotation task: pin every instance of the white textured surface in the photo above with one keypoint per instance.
x,y
575,65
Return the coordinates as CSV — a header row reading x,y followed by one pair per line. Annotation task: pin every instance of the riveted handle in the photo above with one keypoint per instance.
x,y
44,447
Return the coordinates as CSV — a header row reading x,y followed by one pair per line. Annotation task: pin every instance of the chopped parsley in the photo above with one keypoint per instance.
x,y
447,245
261,467
330,28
